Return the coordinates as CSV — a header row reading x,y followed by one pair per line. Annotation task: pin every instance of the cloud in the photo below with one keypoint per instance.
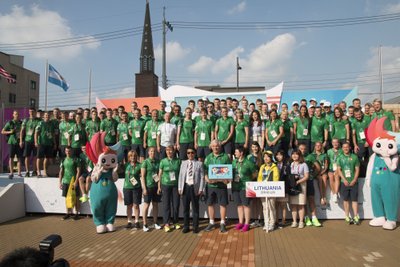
x,y
38,25
391,8
175,51
202,64
239,8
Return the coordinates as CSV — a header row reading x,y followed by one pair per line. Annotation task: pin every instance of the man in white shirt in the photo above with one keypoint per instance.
x,y
166,135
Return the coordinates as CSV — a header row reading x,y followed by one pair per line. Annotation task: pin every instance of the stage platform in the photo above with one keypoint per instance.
x,y
334,244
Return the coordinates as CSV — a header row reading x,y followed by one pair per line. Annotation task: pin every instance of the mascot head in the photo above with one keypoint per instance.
x,y
99,153
108,159
381,141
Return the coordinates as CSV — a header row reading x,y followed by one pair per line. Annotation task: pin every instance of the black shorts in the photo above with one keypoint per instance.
x,y
349,193
183,149
227,148
203,151
29,149
45,151
240,198
139,150
217,196
15,150
132,196
65,188
310,187
152,195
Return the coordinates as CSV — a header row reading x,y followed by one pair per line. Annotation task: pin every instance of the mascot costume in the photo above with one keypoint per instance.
x,y
383,174
103,192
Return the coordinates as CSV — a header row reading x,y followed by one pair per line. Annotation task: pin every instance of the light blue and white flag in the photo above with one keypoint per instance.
x,y
56,78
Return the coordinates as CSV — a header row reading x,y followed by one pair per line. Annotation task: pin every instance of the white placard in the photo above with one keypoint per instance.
x,y
265,189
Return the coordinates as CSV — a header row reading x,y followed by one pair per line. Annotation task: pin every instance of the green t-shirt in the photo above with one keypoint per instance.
x,y
85,163
203,131
161,114
348,164
176,120
383,113
170,169
240,133
310,159
146,118
29,126
151,167
70,168
242,173
45,133
77,134
321,158
187,131
55,123
273,129
151,129
123,133
64,128
302,128
318,127
110,128
13,139
359,126
221,158
287,125
137,130
333,157
132,172
92,127
339,129
224,127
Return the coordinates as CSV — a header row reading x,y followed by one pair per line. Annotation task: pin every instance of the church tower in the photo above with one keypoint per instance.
x,y
146,79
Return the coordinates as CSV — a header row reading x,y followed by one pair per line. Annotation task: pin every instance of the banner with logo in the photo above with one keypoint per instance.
x,y
265,189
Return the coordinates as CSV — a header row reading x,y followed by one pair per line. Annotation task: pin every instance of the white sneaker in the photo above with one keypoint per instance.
x,y
145,228
334,198
378,221
157,227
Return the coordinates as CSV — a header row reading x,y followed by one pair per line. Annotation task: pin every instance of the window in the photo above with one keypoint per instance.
x,y
32,103
12,98
33,85
14,76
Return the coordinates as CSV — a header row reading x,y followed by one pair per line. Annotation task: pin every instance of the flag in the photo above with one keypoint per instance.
x,y
274,94
5,74
56,78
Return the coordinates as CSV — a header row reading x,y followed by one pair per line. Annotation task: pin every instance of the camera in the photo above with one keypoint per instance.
x,y
48,244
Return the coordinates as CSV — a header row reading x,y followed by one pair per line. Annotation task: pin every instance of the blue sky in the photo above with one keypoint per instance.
x,y
315,58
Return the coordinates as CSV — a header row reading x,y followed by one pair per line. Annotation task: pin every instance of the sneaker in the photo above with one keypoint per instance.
x,y
294,225
356,220
84,198
222,228
209,227
76,217
157,227
348,220
128,226
167,229
178,226
185,230
26,175
245,228
34,173
66,217
315,222
239,226
255,224
39,176
301,225
136,225
334,198
308,221
20,175
271,228
145,228
10,176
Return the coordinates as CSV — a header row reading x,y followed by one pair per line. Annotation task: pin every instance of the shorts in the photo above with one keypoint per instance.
x,y
65,188
152,195
183,149
139,150
240,198
45,151
227,148
217,196
310,188
349,193
132,196
15,150
30,149
203,151
85,174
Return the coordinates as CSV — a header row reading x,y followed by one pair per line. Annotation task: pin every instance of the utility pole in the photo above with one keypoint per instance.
x,y
381,75
237,73
166,26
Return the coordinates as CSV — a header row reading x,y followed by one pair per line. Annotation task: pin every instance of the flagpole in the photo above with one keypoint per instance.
x,y
47,80
90,87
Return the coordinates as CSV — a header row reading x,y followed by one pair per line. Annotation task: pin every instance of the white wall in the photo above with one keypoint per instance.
x,y
12,202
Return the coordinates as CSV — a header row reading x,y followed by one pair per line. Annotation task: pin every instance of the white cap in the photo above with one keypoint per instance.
x,y
204,98
311,106
327,104
295,103
313,99
322,101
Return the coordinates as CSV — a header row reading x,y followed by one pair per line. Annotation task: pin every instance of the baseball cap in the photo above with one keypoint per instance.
x,y
327,104
313,99
295,103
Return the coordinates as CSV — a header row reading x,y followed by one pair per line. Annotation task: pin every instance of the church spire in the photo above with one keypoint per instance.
x,y
147,51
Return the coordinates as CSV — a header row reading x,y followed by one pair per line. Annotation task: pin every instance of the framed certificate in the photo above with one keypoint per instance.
x,y
220,172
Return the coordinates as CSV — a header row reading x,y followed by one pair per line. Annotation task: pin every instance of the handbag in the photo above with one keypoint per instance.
x,y
294,188
71,195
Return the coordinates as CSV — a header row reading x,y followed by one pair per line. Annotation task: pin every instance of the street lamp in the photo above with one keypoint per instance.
x,y
237,73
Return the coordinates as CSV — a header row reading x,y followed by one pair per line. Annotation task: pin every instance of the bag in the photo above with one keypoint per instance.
x,y
71,195
294,189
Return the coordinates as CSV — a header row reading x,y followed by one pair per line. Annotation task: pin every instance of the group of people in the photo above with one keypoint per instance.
x,y
167,156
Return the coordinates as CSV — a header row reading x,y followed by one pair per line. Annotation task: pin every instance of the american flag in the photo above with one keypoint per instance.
x,y
5,74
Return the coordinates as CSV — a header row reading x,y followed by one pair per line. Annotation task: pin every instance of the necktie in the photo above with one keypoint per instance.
x,y
190,168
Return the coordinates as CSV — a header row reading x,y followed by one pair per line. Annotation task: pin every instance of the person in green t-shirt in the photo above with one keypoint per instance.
x,y
27,141
168,188
149,179
136,131
319,129
85,180
12,130
185,134
217,191
361,147
45,143
64,127
287,138
334,182
349,170
176,115
244,170
322,159
77,136
204,133
161,112
92,126
123,135
109,126
69,168
241,130
340,126
150,131
390,122
224,130
132,189
301,128
273,132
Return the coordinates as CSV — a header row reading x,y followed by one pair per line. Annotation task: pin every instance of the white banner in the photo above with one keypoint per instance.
x,y
265,189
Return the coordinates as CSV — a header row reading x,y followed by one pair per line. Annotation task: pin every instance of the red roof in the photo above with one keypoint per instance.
x,y
152,102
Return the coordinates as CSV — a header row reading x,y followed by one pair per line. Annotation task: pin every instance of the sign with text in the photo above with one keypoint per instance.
x,y
265,189
220,171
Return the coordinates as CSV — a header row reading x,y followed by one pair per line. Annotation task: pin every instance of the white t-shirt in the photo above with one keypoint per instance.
x,y
167,132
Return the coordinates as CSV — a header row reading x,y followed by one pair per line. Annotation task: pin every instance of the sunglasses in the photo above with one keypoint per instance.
x,y
190,152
